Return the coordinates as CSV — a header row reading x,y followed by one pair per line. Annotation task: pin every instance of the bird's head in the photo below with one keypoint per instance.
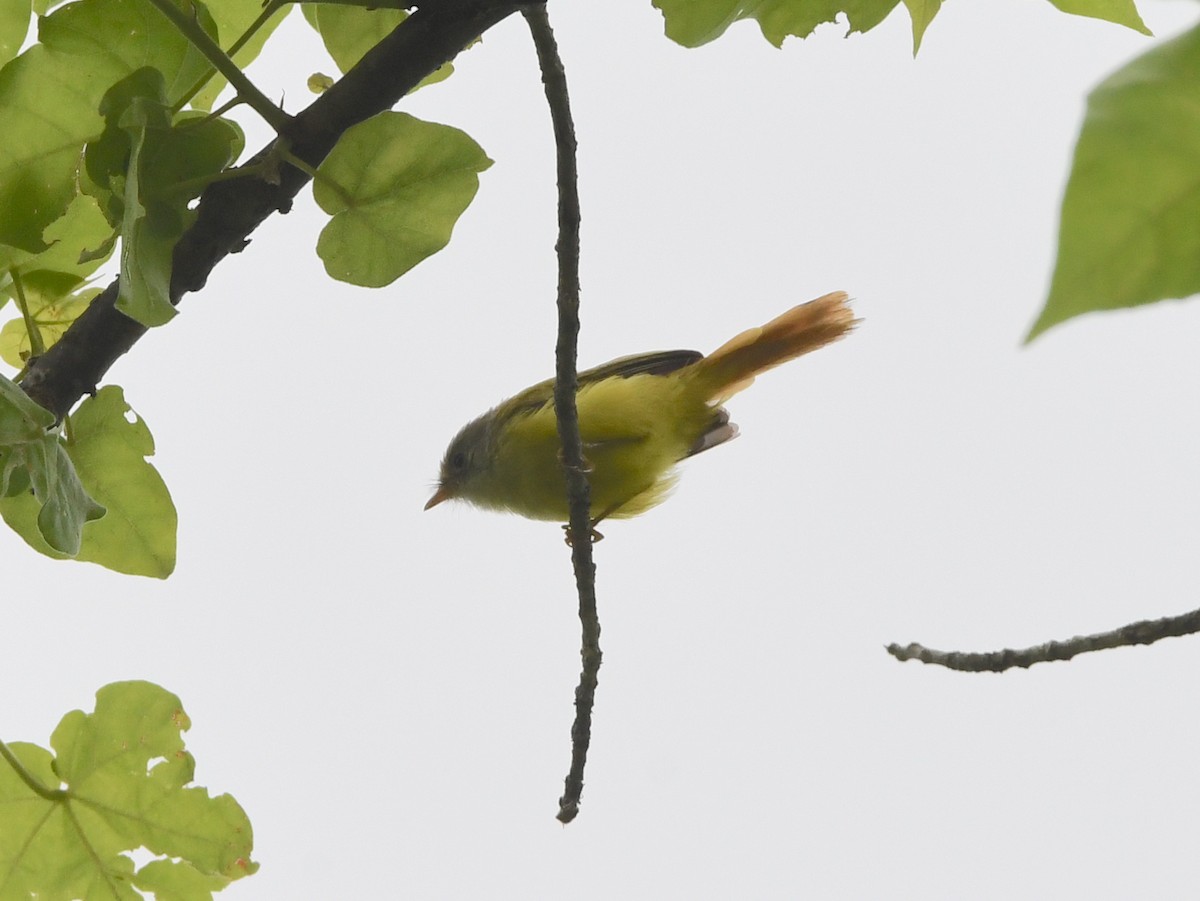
x,y
465,460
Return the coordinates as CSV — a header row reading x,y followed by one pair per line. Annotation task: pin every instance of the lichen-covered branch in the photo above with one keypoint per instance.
x,y
1144,632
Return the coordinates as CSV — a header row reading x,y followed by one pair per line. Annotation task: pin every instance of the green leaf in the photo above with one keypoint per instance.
x,y
695,22
49,97
52,306
52,517
107,157
58,507
138,534
180,162
109,451
145,169
14,24
178,880
148,232
45,124
41,7
21,420
80,229
66,506
14,477
36,851
1121,12
20,509
921,12
122,36
395,186
1130,227
122,779
348,32
148,239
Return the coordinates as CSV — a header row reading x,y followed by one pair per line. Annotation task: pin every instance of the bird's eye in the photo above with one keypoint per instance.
x,y
458,461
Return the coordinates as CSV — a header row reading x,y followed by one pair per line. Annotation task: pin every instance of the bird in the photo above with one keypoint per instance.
x,y
639,416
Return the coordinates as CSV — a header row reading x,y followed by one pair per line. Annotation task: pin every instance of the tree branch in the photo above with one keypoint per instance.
x,y
579,530
1144,632
230,210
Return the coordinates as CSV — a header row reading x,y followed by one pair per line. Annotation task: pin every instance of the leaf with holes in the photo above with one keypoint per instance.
x,y
695,22
118,780
72,241
109,451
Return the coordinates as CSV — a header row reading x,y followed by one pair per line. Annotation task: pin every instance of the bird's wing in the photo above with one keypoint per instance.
x,y
658,363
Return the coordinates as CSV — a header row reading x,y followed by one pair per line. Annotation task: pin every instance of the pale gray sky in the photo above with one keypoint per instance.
x,y
388,692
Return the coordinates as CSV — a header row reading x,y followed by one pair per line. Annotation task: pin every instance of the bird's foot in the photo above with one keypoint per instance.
x,y
595,536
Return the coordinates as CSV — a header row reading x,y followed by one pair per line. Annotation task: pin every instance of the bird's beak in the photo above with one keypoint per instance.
x,y
442,494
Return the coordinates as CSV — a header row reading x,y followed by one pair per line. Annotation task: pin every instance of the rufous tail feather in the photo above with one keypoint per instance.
x,y
732,366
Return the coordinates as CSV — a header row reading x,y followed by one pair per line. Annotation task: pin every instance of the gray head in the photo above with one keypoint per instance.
x,y
465,459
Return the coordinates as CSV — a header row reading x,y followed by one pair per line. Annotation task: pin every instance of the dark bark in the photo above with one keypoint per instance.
x,y
230,211
566,385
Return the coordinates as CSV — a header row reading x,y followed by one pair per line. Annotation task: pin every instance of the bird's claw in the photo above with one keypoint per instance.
x,y
595,536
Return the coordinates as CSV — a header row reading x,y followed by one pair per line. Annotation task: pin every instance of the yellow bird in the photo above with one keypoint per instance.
x,y
638,417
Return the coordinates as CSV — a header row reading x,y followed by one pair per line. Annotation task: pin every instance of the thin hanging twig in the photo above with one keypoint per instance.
x,y
566,383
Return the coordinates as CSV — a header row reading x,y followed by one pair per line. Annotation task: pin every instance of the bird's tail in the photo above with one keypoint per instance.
x,y
732,366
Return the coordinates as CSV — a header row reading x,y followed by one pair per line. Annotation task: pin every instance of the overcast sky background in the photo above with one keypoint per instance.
x,y
388,692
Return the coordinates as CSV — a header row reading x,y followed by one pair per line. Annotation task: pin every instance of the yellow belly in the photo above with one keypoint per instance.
x,y
634,431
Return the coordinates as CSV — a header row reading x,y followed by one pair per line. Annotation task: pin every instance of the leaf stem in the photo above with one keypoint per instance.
x,y
191,187
267,168
566,385
215,114
314,173
269,10
36,347
31,781
189,26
